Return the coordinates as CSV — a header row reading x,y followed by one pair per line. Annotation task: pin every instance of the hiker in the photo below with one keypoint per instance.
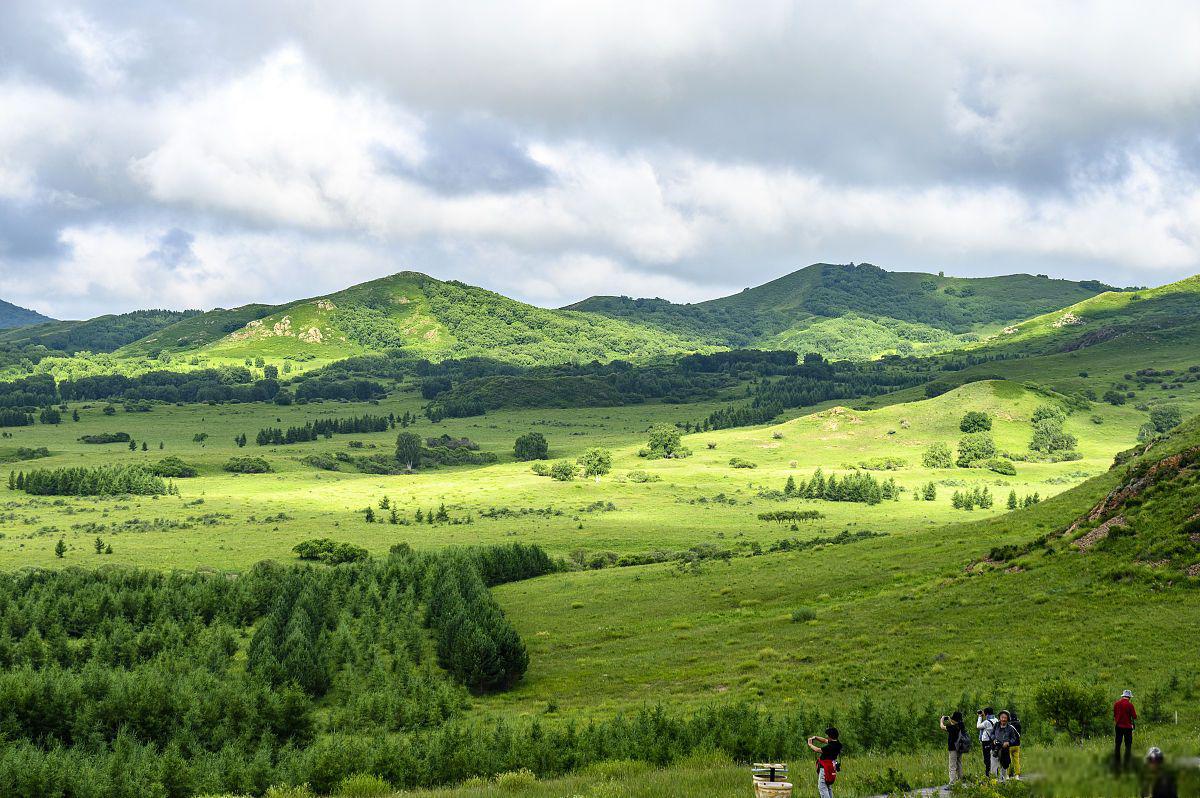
x,y
827,760
1004,737
985,722
1014,750
1158,781
958,742
1124,715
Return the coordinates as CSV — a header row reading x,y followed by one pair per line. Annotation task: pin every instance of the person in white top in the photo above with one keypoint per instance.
x,y
986,722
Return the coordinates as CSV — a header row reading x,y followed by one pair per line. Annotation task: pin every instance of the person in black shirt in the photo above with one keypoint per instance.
x,y
953,726
827,756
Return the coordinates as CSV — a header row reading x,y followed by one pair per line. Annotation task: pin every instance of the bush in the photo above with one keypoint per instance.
x,y
938,455
666,440
1072,708
1001,467
324,462
975,421
642,476
803,615
363,785
563,471
329,551
521,779
174,468
106,437
531,446
739,462
1165,418
974,447
247,465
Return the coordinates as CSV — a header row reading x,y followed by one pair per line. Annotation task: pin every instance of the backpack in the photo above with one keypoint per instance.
x,y
963,743
1016,724
830,768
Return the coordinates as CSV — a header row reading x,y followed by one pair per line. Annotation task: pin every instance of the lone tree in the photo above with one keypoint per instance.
x,y
408,450
531,446
596,462
60,548
1165,417
975,421
666,440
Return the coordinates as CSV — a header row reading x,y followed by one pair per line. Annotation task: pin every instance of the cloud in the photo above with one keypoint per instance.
x,y
181,153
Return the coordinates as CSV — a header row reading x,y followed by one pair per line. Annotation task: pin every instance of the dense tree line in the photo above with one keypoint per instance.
x,y
857,486
323,428
84,481
118,680
36,390
14,417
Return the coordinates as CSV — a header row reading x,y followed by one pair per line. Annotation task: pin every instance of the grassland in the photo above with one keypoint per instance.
x,y
904,602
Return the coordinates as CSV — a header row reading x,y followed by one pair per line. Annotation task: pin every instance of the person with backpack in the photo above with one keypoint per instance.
x,y
1014,751
1004,737
827,760
958,742
985,722
1124,715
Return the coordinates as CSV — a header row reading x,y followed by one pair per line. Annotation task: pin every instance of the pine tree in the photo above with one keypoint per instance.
x,y
133,446
790,488
369,515
74,415
99,546
60,548
1012,500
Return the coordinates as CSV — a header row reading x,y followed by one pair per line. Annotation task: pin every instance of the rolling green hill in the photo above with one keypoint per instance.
x,y
101,334
411,311
853,311
15,316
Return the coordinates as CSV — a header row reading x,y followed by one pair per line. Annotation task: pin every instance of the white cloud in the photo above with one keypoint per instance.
x,y
680,149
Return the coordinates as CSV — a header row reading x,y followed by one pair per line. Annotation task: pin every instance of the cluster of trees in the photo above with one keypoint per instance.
x,y
115,480
247,465
134,682
857,486
323,428
1163,419
224,384
36,390
15,417
106,437
790,516
979,496
1026,501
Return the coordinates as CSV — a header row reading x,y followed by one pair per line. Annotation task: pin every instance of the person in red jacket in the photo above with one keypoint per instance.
x,y
1123,717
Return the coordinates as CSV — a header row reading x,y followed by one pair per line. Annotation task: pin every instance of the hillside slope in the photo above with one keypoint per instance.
x,y
852,311
412,311
101,334
16,316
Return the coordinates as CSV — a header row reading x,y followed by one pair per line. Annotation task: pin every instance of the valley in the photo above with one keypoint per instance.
x,y
783,539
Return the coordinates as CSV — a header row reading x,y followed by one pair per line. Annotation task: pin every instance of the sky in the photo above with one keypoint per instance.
x,y
203,153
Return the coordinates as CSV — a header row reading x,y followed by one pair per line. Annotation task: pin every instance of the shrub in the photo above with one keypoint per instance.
x,y
1165,417
803,615
324,462
541,469
739,462
531,446
1075,709
247,465
106,437
1001,467
563,471
642,476
938,455
974,447
521,779
174,468
363,785
975,421
329,551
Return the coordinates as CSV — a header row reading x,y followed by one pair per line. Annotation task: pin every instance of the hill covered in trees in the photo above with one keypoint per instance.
x,y
101,334
852,310
16,316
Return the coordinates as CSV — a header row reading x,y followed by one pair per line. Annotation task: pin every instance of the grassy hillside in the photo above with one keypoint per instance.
x,y
853,311
15,316
101,334
414,312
